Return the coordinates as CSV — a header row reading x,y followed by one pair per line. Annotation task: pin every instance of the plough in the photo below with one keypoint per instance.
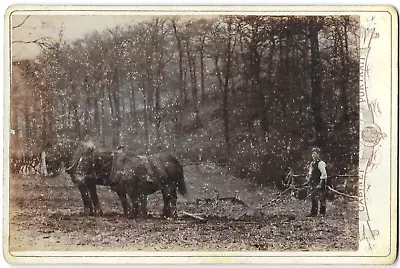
x,y
252,210
289,181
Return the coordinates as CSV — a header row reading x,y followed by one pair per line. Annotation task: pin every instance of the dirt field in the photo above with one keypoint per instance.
x,y
45,215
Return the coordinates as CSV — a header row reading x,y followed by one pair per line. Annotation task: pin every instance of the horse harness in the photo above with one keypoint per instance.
x,y
95,171
118,158
149,166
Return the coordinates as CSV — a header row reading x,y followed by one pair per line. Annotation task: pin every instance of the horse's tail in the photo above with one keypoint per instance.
x,y
181,181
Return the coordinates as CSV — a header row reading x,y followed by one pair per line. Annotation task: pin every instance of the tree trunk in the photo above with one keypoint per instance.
x,y
77,123
306,67
103,119
43,117
117,120
246,85
343,43
195,94
158,109
193,82
150,99
316,104
185,96
65,112
226,111
113,100
86,123
145,115
132,101
228,75
182,89
76,115
255,80
266,107
27,126
117,115
202,69
96,123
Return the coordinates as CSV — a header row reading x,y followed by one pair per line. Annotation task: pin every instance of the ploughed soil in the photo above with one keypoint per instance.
x,y
45,215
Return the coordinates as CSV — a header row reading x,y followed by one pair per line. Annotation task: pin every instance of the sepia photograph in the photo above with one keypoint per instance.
x,y
209,132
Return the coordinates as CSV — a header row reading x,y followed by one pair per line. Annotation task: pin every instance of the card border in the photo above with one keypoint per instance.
x,y
198,10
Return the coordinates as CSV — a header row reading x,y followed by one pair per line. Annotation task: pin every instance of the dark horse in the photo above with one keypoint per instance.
x,y
125,173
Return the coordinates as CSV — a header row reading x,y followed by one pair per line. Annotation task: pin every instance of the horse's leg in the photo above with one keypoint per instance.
x,y
166,201
173,200
143,205
169,197
135,204
87,202
121,192
95,199
124,202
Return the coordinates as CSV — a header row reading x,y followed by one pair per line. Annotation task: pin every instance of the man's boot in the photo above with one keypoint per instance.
x,y
322,204
322,208
314,208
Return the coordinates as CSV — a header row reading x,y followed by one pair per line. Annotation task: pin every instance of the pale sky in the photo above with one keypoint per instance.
x,y
75,26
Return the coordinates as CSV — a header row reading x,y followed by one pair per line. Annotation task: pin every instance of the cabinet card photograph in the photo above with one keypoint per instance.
x,y
200,134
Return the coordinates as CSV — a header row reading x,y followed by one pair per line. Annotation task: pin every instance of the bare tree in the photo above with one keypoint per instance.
x,y
228,32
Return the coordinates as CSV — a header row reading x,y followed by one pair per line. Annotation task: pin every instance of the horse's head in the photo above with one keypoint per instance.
x,y
59,155
54,163
56,158
89,160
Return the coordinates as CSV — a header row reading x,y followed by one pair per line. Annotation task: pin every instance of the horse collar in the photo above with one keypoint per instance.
x,y
73,164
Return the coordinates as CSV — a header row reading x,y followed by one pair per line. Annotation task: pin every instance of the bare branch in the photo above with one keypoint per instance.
x,y
42,42
26,42
19,25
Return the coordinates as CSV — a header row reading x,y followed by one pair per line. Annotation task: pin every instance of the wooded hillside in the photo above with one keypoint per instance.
x,y
254,93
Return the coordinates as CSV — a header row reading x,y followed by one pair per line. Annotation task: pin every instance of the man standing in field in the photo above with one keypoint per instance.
x,y
317,178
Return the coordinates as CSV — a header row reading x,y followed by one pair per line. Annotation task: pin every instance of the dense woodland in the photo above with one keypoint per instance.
x,y
253,93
